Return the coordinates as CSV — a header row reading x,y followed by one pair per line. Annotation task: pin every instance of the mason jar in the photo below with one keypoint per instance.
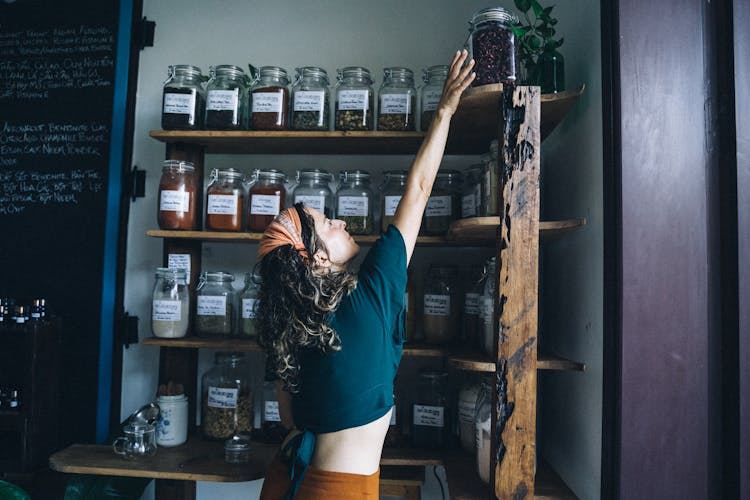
x,y
227,397
270,418
225,198
354,99
354,201
482,428
390,195
493,46
215,301
177,190
491,181
248,305
470,319
266,198
487,309
314,190
397,100
443,206
440,312
467,405
471,192
270,99
430,416
170,304
183,98
226,98
434,78
310,99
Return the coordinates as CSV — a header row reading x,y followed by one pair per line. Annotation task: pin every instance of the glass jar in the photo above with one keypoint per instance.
x,y
491,181
434,78
467,405
390,195
270,99
270,418
487,309
470,324
354,201
482,426
314,190
237,449
493,46
227,398
267,195
225,198
430,417
177,189
441,305
215,300
354,99
170,304
443,206
226,98
310,108
471,192
397,100
248,303
183,98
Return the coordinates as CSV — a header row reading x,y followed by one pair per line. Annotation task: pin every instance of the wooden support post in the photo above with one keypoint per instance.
x,y
514,421
173,489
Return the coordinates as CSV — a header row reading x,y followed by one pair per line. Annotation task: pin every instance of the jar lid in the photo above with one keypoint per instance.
x,y
433,375
396,174
238,442
439,70
493,14
398,73
271,173
354,72
178,165
146,415
171,272
345,175
230,173
217,276
448,175
227,356
311,72
184,69
314,173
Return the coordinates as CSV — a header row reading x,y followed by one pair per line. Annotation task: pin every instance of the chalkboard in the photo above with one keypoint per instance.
x,y
57,81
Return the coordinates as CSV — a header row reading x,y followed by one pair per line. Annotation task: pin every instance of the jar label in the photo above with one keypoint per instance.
x,y
267,102
180,104
431,416
468,206
271,412
316,202
222,204
395,104
212,305
466,411
264,204
353,206
166,310
393,416
391,204
353,99
222,100
248,308
309,100
431,99
471,303
174,201
437,305
222,397
180,261
438,206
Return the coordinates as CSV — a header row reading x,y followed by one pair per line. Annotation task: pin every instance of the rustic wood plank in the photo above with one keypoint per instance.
x,y
485,228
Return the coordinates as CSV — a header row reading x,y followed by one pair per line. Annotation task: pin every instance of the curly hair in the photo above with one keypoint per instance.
x,y
295,300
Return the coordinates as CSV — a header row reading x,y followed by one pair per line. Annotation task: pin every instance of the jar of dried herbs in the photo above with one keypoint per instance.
x,y
310,99
440,312
226,98
390,195
314,190
227,397
443,207
434,79
354,201
471,191
397,100
493,46
270,99
225,198
354,99
215,301
248,304
430,413
183,98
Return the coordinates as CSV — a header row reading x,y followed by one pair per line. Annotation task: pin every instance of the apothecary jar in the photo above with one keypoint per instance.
x,y
314,190
354,201
183,98
225,199
227,397
310,99
397,100
215,304
493,46
354,99
170,304
226,98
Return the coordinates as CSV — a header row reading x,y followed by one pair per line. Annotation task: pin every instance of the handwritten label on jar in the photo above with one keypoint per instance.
x,y
316,202
437,305
395,104
430,100
271,411
353,206
212,305
224,204
166,310
353,99
180,104
265,204
180,261
174,201
430,416
222,100
222,397
308,100
438,206
468,205
267,102
471,303
248,308
391,204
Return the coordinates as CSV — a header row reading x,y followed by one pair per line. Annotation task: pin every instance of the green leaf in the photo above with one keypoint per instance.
x,y
559,43
546,12
553,22
253,71
535,42
537,8
522,5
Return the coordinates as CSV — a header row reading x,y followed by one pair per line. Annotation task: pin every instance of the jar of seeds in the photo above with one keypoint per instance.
x,y
354,201
434,79
227,398
443,207
493,46
310,99
397,100
214,315
354,99
390,195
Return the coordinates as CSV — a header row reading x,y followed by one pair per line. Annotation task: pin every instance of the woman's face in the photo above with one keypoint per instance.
x,y
338,246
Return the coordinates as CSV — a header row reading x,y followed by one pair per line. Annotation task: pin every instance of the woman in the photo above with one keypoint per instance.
x,y
333,338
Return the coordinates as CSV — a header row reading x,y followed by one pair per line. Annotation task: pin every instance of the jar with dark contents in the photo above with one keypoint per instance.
x,y
397,100
225,197
215,305
440,312
443,207
390,195
177,190
314,190
471,191
354,201
431,92
227,397
354,99
183,98
248,305
266,198
270,99
310,99
226,98
430,413
493,46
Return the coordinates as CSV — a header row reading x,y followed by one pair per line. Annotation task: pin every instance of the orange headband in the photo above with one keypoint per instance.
x,y
286,229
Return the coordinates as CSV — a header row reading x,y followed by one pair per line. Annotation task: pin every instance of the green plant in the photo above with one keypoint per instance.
x,y
535,35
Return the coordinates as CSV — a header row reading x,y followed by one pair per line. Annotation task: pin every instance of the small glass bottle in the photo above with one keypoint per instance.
x,y
227,398
482,427
441,305
177,189
266,198
225,197
170,305
314,190
226,98
354,201
237,449
270,417
270,99
248,304
354,99
390,195
397,100
183,98
493,46
430,417
471,192
310,101
215,303
487,309
434,78
443,206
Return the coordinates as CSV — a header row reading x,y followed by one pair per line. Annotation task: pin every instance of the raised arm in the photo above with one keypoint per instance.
x,y
408,216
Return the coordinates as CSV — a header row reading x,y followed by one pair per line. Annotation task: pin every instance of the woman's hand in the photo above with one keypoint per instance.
x,y
459,78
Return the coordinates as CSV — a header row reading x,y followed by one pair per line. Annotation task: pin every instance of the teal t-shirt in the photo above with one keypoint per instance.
x,y
354,386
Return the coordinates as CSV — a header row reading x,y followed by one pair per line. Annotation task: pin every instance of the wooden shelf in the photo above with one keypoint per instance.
x,y
484,229
191,342
545,361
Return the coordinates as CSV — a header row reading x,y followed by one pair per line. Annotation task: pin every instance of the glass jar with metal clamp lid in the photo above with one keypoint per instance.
x,y
310,99
225,198
269,98
266,198
183,98
314,190
226,98
434,78
354,99
215,304
397,100
354,201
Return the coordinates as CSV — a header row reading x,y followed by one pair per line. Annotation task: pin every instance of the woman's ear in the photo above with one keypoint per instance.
x,y
321,260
